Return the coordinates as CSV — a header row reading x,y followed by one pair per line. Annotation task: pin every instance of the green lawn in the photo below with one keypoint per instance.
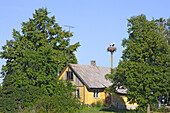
x,y
108,110
103,110
93,110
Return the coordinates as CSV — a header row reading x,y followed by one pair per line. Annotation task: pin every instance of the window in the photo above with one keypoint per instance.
x,y
77,93
70,75
96,93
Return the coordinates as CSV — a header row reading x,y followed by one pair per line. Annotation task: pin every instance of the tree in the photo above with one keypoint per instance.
x,y
35,57
164,29
38,54
145,66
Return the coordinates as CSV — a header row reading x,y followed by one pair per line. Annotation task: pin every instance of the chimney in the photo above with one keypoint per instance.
x,y
93,63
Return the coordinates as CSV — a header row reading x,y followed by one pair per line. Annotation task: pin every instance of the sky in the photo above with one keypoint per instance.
x,y
97,23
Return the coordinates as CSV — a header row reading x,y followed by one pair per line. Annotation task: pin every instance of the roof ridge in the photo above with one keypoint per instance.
x,y
88,65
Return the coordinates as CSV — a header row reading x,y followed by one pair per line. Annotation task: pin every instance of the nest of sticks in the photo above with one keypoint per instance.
x,y
111,49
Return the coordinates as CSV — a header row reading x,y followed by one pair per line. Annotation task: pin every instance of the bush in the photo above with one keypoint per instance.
x,y
58,104
93,104
18,99
99,104
35,99
162,109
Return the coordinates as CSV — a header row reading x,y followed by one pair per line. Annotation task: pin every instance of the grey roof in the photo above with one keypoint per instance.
x,y
92,76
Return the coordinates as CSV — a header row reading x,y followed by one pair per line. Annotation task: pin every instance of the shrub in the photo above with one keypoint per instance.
x,y
99,104
39,100
93,104
18,99
162,109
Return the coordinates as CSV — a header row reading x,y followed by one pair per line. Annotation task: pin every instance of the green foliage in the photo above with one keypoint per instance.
x,y
37,99
93,104
62,101
145,68
19,98
34,58
38,54
162,109
164,29
99,104
106,110
58,104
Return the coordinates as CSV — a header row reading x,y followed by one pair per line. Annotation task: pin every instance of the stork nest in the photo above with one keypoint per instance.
x,y
111,49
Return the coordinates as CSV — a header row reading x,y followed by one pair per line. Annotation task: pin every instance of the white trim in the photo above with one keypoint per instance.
x,y
77,94
96,93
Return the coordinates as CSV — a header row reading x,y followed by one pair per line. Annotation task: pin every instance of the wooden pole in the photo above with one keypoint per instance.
x,y
111,60
148,108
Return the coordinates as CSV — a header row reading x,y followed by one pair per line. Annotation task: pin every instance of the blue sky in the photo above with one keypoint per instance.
x,y
97,22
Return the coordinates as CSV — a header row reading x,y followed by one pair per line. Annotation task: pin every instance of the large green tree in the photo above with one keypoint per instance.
x,y
145,66
34,58
37,54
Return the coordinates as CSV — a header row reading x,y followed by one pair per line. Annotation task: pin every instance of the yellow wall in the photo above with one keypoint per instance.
x,y
121,101
89,99
75,82
81,89
126,101
62,75
129,106
86,95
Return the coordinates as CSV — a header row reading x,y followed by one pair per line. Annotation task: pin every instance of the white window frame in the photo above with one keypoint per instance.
x,y
96,93
77,94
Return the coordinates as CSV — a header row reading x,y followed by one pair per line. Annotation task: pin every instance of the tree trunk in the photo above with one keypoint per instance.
x,y
148,108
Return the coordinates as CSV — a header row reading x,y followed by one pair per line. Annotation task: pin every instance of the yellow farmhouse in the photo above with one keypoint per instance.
x,y
90,84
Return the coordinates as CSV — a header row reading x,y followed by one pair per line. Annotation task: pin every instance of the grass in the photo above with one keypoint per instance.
x,y
93,110
104,110
109,110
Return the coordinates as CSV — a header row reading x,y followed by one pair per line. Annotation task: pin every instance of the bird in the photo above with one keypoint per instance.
x,y
112,44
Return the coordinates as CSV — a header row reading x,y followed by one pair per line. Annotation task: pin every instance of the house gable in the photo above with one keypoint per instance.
x,y
76,80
